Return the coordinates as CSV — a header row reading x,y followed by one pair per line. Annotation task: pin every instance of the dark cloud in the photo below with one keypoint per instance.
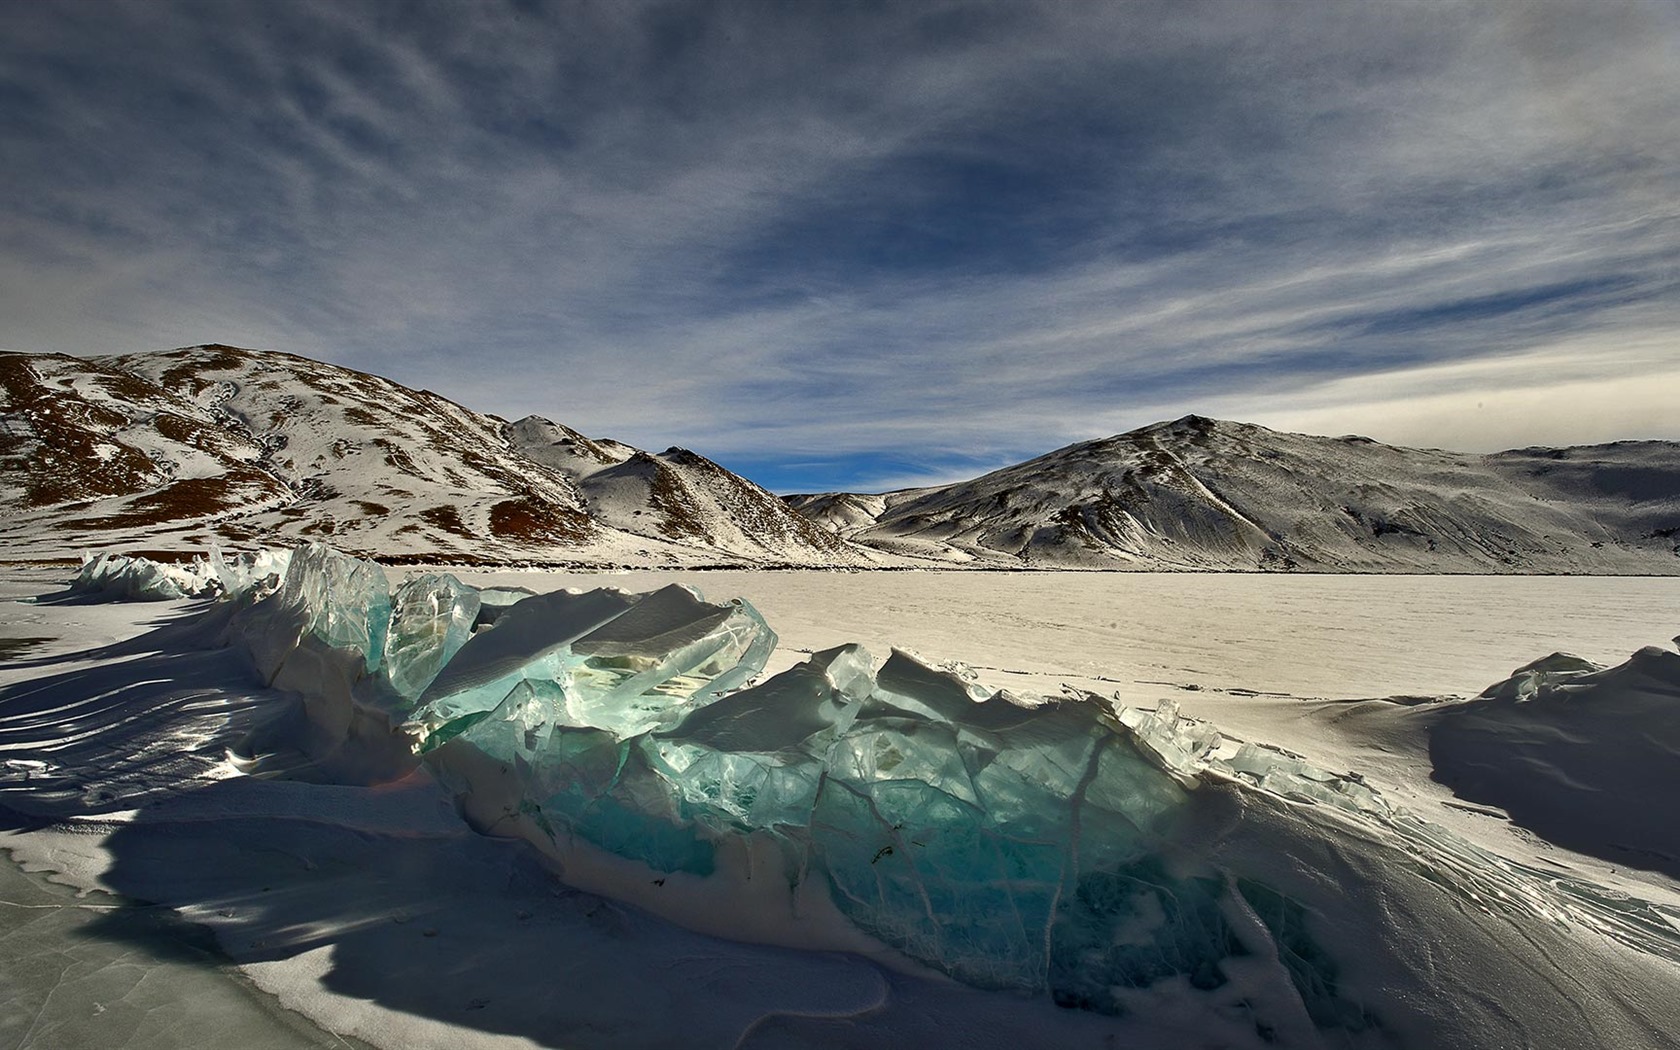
x,y
868,235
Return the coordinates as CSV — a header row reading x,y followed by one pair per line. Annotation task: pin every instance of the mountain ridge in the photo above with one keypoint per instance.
x,y
178,449
1202,494
171,451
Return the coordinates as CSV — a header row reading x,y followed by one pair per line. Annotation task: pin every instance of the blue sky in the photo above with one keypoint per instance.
x,y
868,245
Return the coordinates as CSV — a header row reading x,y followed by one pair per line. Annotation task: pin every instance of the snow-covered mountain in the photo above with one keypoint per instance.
x,y
676,495
1200,493
177,449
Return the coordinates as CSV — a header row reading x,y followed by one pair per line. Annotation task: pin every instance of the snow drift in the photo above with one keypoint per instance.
x,y
1577,752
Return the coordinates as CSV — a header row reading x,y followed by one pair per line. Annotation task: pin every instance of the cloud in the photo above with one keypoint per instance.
x,y
871,243
1580,391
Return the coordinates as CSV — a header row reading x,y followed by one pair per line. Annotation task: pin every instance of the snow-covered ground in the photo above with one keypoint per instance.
x,y
375,912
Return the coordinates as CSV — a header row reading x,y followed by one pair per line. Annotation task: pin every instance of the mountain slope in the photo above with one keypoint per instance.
x,y
1198,493
213,443
675,495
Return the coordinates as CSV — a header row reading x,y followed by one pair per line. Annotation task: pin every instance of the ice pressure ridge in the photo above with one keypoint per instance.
x,y
1043,845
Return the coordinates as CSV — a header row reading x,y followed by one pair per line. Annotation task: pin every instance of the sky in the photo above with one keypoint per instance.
x,y
871,245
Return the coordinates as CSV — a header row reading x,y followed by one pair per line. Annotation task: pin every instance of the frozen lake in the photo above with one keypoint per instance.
x,y
1330,637
311,914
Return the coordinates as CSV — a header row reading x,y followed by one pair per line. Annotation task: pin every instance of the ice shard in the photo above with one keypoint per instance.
x,y
249,576
345,602
432,617
115,576
606,660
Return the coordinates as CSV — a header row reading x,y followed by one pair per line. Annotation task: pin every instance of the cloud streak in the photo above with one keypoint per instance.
x,y
836,245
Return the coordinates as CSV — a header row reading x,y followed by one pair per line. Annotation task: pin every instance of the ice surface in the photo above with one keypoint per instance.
x,y
1072,848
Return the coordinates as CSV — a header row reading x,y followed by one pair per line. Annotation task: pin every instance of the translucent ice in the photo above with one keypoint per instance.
x,y
432,617
605,660
249,575
949,823
115,576
345,602
119,577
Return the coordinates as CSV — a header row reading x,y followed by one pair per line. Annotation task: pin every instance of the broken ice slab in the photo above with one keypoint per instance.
x,y
669,652
494,602
818,696
942,817
432,617
249,576
344,601
1181,745
620,662
117,577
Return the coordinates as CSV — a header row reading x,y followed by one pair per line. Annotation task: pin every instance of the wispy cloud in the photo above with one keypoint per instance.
x,y
842,245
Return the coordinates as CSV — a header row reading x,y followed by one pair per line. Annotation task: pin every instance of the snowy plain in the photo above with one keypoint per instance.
x,y
379,917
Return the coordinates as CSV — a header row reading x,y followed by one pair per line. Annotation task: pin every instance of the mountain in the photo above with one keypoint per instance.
x,y
174,450
1199,493
171,451
676,495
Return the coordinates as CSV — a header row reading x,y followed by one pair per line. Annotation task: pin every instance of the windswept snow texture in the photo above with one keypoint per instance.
x,y
1201,493
1110,859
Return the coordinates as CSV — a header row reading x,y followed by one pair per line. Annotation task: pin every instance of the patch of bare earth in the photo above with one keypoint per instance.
x,y
532,520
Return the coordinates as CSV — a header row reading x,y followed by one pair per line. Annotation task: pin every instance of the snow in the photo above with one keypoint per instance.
x,y
1575,742
170,451
1202,494
1278,900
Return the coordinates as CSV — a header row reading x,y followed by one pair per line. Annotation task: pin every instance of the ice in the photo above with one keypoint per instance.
x,y
603,659
115,576
494,602
122,578
249,576
432,617
1100,856
1529,680
948,822
345,601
